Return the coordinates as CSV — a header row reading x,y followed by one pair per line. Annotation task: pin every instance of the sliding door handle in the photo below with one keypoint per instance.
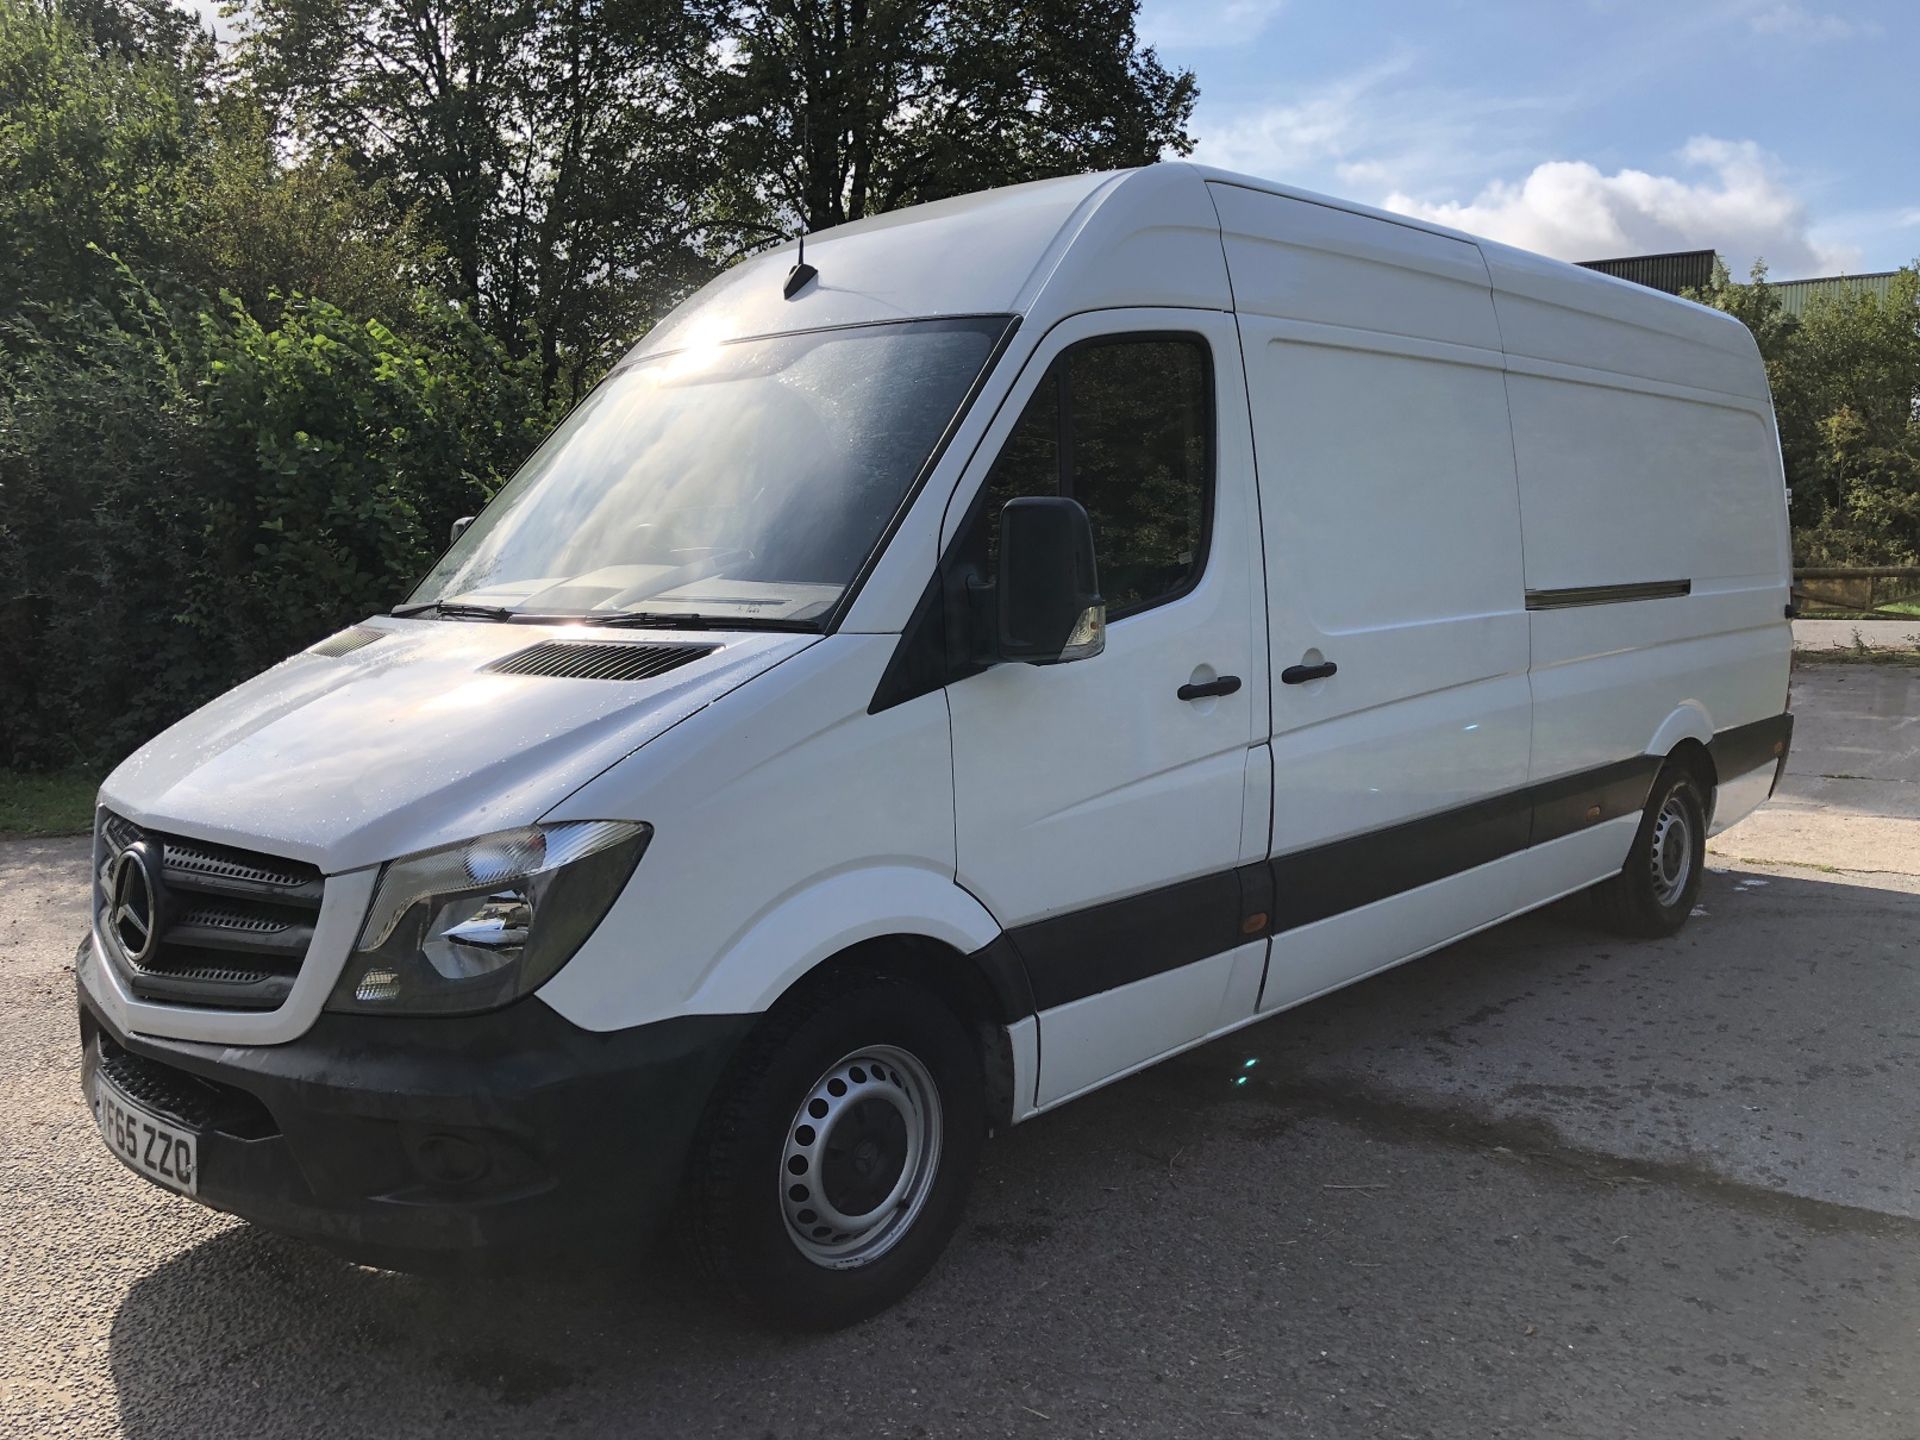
x,y
1300,674
1224,685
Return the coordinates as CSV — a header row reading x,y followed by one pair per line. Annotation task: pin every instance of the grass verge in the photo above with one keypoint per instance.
x,y
1898,610
60,803
1909,659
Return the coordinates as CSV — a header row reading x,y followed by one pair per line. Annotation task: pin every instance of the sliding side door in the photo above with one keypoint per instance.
x,y
1401,707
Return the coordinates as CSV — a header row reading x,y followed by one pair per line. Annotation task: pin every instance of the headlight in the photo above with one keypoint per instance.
x,y
477,925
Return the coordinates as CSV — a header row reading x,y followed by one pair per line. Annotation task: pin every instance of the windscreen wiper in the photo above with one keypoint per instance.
x,y
677,620
453,610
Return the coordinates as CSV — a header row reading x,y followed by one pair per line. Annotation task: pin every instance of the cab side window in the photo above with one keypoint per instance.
x,y
1124,426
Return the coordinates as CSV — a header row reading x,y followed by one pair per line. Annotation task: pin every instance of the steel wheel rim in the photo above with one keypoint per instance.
x,y
1671,857
860,1157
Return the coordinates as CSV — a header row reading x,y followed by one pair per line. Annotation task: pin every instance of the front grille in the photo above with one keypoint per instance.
x,y
599,659
233,927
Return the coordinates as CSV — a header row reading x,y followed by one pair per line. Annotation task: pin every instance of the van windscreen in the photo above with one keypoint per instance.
x,y
736,484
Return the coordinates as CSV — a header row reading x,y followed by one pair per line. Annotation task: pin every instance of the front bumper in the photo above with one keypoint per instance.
x,y
426,1143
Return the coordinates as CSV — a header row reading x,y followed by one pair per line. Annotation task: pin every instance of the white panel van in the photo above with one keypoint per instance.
x,y
1041,632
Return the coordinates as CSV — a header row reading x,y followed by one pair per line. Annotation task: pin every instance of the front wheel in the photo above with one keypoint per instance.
x,y
1656,889
838,1152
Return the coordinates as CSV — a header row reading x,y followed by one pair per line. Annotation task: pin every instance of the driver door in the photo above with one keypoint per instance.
x,y
1103,806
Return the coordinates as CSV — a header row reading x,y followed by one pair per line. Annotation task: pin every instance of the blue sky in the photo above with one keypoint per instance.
x,y
1582,128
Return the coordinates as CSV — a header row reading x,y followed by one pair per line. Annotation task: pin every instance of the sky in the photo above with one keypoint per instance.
x,y
1584,129
1781,130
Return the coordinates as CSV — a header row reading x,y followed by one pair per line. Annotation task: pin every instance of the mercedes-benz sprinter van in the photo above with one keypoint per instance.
x,y
1041,632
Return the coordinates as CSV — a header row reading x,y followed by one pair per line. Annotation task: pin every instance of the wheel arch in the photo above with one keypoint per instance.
x,y
894,922
1685,738
986,990
1687,722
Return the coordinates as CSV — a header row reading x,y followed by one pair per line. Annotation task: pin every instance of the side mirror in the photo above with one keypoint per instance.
x,y
1046,606
459,529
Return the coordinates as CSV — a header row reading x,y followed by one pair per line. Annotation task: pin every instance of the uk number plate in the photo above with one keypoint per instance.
x,y
157,1148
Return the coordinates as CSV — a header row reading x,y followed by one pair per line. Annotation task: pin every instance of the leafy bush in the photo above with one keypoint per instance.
x,y
191,495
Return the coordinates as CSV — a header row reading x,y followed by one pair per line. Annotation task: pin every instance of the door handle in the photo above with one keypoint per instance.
x,y
1300,674
1224,685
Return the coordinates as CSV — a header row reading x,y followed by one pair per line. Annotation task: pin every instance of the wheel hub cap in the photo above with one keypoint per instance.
x,y
1671,858
860,1157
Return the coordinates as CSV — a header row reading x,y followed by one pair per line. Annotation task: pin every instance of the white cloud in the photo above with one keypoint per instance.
x,y
1797,22
1195,24
1325,124
1741,207
1371,129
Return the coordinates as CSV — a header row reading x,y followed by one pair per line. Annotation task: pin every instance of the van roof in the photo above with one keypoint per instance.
x,y
1143,237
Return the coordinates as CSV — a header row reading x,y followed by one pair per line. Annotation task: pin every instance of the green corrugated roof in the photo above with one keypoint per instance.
x,y
1673,272
1795,295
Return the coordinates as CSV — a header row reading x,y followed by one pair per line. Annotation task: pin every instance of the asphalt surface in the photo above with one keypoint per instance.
x,y
1545,1183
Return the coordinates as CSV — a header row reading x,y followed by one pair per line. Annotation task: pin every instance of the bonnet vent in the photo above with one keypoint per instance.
x,y
354,637
599,659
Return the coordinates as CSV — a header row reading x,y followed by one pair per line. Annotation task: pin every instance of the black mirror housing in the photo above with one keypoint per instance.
x,y
459,528
1047,607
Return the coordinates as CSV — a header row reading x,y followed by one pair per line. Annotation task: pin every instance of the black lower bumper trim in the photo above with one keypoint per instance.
x,y
1745,748
435,1141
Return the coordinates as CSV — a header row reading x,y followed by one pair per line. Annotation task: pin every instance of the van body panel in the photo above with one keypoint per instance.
x,y
1685,488
1552,311
1306,261
836,823
413,741
1602,692
1738,796
1145,1020
1150,242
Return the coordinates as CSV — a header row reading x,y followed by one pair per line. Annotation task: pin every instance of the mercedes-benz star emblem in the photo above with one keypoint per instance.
x,y
133,915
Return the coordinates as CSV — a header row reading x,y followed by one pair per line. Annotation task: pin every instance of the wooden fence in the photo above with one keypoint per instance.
x,y
1856,587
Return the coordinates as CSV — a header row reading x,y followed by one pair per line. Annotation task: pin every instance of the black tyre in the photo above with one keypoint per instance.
x,y
836,1156
1655,890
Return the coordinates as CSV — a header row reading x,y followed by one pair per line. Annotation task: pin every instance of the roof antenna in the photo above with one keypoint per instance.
x,y
801,272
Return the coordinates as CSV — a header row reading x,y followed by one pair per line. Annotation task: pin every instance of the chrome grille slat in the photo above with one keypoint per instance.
x,y
228,917
194,865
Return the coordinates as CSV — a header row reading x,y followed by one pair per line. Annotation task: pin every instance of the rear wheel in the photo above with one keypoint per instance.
x,y
1655,890
838,1152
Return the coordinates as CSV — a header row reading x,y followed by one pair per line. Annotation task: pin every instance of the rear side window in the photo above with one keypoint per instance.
x,y
1124,426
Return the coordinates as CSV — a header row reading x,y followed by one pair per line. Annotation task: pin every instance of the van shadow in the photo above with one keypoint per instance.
x,y
249,1334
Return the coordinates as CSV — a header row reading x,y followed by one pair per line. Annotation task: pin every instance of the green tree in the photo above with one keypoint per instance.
x,y
267,226
1856,373
1846,381
95,158
548,148
832,110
